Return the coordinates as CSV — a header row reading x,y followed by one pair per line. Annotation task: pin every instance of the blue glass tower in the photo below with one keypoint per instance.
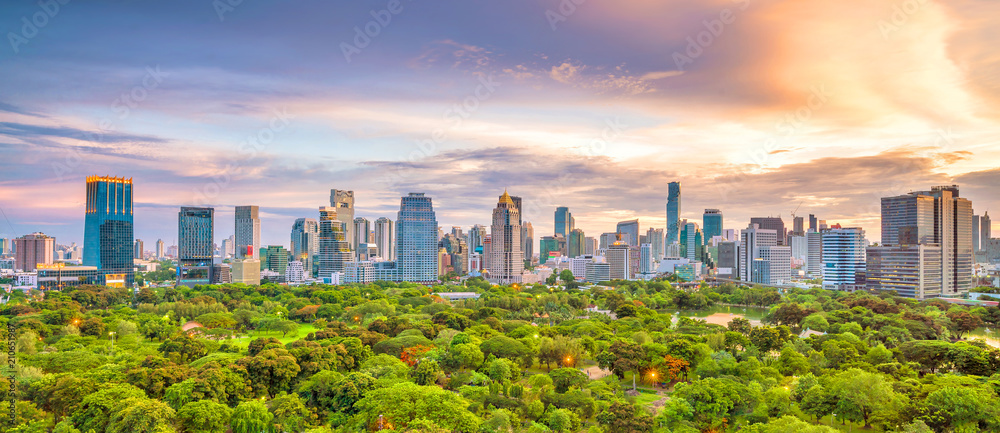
x,y
108,235
196,246
712,220
416,239
564,222
673,212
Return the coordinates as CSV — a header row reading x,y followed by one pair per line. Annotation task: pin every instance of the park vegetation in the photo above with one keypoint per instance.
x,y
537,358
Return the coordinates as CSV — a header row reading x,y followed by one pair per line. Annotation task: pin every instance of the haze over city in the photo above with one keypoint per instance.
x,y
595,107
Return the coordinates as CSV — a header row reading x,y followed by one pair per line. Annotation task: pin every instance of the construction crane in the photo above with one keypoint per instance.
x,y
797,209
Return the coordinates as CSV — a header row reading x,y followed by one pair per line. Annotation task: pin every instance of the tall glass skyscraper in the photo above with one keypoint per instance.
x,y
416,239
108,235
630,232
712,221
195,245
673,212
334,249
564,222
343,201
305,242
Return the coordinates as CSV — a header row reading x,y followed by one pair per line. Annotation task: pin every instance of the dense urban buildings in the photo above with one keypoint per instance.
x,y
305,243
247,232
108,233
527,240
772,223
576,243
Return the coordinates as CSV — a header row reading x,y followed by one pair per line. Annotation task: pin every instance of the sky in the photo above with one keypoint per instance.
x,y
759,108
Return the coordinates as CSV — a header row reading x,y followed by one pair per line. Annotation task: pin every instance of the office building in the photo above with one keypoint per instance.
x,y
813,223
655,237
527,240
416,239
629,231
343,202
361,233
798,226
138,253
937,217
33,250
550,246
619,259
295,272
506,262
305,243
160,252
222,273
597,272
385,238
985,230
755,249
913,271
800,248
647,265
334,249
814,254
606,240
277,259
476,236
712,223
248,232
590,246
727,261
692,242
108,232
772,223
844,259
977,225
246,271
564,222
673,212
456,251
195,245
576,243
772,265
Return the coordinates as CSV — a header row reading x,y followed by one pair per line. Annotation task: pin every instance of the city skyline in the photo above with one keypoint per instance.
x,y
591,111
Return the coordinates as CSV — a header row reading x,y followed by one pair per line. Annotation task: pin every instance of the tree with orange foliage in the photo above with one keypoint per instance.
x,y
674,367
411,355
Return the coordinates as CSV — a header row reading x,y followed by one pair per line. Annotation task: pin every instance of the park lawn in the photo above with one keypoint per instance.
x,y
244,341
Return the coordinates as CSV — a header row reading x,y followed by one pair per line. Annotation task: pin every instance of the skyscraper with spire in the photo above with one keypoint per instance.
x,y
506,262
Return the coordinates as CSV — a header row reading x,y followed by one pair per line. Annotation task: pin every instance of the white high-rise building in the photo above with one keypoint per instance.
x,y
248,232
506,263
814,254
761,260
844,259
295,272
362,232
385,238
619,257
160,252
